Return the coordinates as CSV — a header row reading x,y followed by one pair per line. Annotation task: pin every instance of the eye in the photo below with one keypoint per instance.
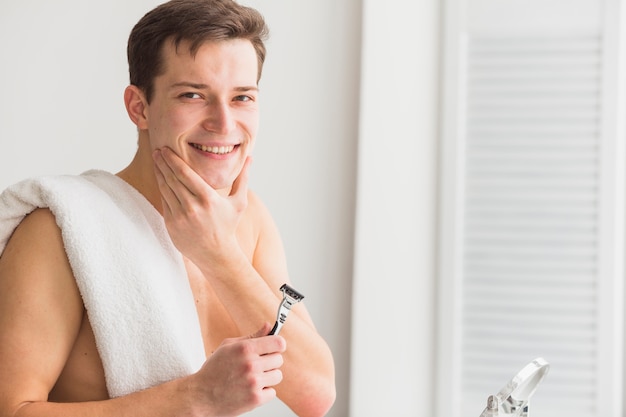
x,y
190,95
243,98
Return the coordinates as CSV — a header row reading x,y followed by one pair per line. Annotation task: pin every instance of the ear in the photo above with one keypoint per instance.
x,y
136,106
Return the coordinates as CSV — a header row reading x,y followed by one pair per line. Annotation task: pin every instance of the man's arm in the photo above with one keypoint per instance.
x,y
309,376
40,316
203,225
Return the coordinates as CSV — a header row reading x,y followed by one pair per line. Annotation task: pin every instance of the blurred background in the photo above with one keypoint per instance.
x,y
447,177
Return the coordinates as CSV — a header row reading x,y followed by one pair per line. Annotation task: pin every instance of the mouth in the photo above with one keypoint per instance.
x,y
216,150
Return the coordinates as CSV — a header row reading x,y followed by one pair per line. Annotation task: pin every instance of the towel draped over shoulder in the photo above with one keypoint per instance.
x,y
130,275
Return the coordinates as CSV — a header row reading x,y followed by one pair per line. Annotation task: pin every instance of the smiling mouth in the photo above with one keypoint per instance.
x,y
217,150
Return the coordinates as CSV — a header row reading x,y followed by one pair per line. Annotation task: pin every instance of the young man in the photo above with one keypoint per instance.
x,y
151,292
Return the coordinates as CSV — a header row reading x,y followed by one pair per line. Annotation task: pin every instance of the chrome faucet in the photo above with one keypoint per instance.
x,y
513,399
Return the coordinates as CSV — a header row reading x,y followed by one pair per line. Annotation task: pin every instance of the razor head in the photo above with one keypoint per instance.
x,y
291,295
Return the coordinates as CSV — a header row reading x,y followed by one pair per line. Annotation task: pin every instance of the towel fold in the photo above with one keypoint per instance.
x,y
131,277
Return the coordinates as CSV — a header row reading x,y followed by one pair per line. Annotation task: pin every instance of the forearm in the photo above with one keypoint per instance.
x,y
167,400
308,372
308,385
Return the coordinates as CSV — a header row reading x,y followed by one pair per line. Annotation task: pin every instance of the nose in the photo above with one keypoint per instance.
x,y
219,118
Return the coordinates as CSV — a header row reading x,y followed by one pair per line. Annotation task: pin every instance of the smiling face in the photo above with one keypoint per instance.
x,y
205,108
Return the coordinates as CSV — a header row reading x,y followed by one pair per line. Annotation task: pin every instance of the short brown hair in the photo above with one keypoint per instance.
x,y
196,21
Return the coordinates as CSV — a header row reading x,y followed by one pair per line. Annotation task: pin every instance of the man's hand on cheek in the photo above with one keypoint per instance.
x,y
201,222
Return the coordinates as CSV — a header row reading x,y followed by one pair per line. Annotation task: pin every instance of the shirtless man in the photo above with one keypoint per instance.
x,y
194,99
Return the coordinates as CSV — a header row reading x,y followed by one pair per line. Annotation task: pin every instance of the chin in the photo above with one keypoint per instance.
x,y
218,183
219,177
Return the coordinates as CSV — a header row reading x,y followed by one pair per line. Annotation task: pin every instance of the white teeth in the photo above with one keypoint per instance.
x,y
219,150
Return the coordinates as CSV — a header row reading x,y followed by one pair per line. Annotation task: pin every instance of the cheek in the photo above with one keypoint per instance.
x,y
251,146
252,130
157,136
166,126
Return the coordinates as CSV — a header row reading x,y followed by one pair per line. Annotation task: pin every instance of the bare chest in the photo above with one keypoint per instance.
x,y
82,379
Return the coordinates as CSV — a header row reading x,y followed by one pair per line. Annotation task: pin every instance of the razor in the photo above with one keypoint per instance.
x,y
290,297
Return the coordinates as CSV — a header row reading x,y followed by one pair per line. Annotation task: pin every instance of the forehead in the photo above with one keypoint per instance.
x,y
233,59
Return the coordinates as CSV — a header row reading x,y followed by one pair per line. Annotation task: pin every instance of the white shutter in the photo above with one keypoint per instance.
x,y
532,205
531,215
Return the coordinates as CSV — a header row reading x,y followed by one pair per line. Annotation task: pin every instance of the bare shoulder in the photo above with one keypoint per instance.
x,y
257,208
40,220
269,254
40,309
34,262
37,232
254,225
262,222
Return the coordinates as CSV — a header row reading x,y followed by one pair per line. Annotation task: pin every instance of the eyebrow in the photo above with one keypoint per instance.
x,y
205,86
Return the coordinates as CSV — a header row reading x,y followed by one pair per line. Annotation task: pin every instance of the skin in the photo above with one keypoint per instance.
x,y
49,364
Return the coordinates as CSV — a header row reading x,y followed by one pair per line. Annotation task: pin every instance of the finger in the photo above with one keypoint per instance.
x,y
184,175
261,343
165,175
240,185
271,361
169,198
263,331
164,167
266,345
267,395
271,378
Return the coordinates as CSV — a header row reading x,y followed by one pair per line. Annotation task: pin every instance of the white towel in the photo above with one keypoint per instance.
x,y
131,277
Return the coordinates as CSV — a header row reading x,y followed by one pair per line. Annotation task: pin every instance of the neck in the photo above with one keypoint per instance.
x,y
140,174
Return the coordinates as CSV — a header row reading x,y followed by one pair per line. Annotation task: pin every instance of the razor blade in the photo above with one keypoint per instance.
x,y
290,297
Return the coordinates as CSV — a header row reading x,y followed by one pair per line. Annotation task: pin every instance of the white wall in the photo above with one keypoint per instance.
x,y
394,277
61,82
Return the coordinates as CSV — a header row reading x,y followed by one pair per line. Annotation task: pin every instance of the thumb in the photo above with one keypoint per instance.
x,y
240,185
263,331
